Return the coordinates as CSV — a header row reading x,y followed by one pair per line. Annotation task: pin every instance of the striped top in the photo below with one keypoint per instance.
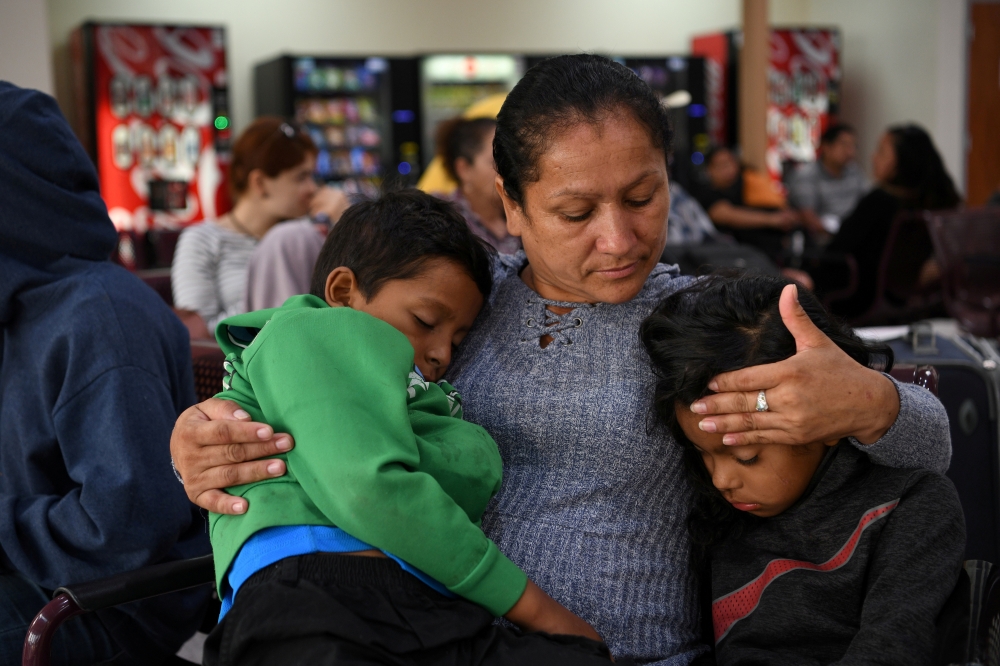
x,y
209,273
594,506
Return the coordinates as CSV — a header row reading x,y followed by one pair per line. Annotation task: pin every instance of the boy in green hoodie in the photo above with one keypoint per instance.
x,y
369,550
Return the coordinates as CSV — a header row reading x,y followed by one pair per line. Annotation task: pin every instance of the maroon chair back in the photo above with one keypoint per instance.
x,y
922,375
967,244
132,251
207,360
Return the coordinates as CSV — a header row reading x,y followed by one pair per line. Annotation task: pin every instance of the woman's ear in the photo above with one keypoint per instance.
x,y
257,184
341,288
516,219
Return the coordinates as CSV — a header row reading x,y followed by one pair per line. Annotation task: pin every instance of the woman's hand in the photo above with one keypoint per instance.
x,y
537,611
329,201
211,444
818,395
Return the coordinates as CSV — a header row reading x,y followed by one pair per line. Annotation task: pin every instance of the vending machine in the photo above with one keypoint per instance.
x,y
680,83
451,83
361,112
804,79
153,112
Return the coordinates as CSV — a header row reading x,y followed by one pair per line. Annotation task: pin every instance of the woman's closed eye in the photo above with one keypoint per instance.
x,y
578,217
746,462
639,203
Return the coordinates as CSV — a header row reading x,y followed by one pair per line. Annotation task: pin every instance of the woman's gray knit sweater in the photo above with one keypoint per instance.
x,y
592,506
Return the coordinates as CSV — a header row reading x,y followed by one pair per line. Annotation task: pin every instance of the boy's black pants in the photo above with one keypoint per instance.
x,y
326,608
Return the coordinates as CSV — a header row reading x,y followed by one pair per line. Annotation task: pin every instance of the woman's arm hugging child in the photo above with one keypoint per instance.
x,y
370,549
815,554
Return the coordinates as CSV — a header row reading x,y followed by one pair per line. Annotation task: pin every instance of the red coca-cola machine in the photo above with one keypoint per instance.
x,y
153,111
803,76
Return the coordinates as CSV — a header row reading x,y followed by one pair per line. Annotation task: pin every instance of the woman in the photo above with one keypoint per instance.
x,y
909,175
270,179
466,150
593,505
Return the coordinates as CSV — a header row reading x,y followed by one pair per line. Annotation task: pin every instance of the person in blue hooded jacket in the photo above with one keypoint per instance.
x,y
94,368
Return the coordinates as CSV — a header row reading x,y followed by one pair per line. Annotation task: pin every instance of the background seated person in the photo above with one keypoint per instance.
x,y
688,223
94,370
815,554
909,174
466,150
270,180
827,190
724,197
281,265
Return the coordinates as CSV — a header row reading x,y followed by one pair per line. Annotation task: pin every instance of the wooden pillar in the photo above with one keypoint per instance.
x,y
753,83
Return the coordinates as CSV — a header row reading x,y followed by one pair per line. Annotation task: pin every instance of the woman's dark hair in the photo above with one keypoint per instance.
x,y
720,324
269,144
920,169
833,133
393,237
459,137
558,93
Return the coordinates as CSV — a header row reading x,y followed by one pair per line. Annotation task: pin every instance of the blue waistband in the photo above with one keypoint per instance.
x,y
276,543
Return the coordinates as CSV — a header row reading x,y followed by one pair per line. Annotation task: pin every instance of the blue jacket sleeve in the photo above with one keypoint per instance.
x,y
78,533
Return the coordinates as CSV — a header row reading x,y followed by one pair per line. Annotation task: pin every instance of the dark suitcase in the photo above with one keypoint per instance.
x,y
969,389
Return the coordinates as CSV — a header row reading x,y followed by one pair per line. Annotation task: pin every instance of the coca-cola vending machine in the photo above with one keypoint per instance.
x,y
153,111
803,76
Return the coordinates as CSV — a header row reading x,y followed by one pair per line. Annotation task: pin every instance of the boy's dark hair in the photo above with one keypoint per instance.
x,y
719,324
394,236
833,132
560,92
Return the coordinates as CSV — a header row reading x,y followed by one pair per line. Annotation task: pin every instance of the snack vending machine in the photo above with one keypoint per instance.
x,y
153,112
348,107
450,83
804,78
680,83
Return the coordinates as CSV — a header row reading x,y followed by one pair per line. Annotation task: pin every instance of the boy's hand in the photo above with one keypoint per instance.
x,y
211,444
537,611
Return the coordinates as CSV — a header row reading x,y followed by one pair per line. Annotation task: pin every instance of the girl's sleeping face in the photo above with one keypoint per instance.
x,y
760,479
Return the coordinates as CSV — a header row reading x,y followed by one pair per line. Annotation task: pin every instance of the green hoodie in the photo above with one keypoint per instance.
x,y
379,453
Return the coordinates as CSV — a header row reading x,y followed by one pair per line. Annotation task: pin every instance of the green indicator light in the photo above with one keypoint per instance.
x,y
221,123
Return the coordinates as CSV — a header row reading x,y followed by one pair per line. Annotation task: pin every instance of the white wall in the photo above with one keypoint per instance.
x,y
904,60
25,57
261,29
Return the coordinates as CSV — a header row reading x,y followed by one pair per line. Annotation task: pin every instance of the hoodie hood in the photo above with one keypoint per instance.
x,y
50,204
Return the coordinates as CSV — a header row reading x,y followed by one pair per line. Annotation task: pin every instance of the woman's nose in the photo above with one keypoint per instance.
x,y
616,234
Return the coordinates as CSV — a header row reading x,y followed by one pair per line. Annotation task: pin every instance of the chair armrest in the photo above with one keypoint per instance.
x,y
141,584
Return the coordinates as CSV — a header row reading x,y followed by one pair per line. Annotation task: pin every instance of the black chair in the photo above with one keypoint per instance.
x,y
967,245
97,595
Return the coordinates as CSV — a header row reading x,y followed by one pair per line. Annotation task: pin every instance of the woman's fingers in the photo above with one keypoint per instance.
x,y
728,403
204,489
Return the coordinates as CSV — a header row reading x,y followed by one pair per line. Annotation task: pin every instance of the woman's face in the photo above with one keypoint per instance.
x,y
289,194
478,177
723,169
884,160
595,222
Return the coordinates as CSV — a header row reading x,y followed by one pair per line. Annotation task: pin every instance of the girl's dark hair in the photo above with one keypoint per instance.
x,y
558,93
271,145
393,237
459,137
920,169
720,324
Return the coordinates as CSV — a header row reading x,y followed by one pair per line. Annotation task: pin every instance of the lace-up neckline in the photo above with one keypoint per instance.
x,y
546,323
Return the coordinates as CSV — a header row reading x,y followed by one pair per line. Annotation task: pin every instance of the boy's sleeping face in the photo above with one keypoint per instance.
x,y
434,310
760,479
